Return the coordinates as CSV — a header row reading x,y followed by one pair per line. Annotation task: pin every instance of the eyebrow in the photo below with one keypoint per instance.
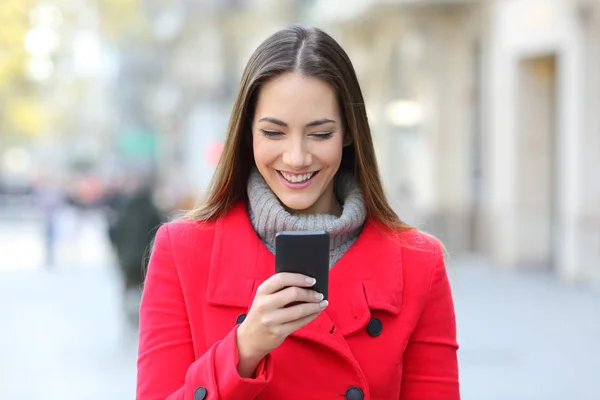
x,y
281,123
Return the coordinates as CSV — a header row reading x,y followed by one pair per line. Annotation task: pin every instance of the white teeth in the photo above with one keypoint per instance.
x,y
297,178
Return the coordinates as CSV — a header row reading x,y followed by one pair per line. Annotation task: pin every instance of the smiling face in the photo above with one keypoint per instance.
x,y
297,139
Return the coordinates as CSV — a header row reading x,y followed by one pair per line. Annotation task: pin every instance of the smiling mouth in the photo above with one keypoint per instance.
x,y
297,178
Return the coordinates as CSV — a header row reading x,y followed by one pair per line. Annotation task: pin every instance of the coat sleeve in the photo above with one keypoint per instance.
x,y
430,369
167,366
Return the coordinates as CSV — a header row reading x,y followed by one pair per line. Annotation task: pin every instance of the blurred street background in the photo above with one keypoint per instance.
x,y
485,116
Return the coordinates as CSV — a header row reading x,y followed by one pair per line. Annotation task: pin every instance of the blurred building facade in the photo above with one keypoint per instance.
x,y
486,122
542,137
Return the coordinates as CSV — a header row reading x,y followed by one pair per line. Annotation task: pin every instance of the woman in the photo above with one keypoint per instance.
x,y
298,155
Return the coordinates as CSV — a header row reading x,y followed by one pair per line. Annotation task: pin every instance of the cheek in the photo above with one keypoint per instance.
x,y
329,153
264,150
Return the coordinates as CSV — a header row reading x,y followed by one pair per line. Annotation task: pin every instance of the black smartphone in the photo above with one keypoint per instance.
x,y
304,252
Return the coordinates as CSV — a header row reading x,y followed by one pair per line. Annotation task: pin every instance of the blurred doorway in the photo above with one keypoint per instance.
x,y
537,162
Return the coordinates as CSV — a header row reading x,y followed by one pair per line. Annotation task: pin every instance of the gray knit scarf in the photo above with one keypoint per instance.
x,y
268,216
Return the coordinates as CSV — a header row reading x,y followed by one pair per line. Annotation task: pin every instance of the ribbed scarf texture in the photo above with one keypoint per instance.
x,y
268,216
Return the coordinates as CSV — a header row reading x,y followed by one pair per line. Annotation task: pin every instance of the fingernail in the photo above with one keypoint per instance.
x,y
319,296
324,303
311,281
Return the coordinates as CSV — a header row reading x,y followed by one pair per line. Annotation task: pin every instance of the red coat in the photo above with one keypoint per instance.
x,y
388,332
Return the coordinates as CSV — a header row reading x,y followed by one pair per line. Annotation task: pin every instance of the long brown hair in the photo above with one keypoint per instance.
x,y
313,53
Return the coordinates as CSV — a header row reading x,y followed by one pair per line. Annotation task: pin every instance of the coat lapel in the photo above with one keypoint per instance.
x,y
239,261
367,277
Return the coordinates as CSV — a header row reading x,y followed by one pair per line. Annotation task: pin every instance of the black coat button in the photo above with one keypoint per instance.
x,y
200,393
354,393
240,318
374,327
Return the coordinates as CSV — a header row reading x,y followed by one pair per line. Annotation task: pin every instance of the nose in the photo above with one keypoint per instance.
x,y
296,155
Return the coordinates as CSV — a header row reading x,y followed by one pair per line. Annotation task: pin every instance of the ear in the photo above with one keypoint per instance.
x,y
347,139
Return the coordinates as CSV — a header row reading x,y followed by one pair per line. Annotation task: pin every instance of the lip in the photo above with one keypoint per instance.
x,y
298,185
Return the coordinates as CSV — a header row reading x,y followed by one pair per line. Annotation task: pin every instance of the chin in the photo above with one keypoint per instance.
x,y
297,205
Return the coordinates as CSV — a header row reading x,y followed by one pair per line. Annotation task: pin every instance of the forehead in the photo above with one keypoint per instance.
x,y
295,97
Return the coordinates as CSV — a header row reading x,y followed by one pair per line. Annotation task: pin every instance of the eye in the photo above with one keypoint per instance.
x,y
322,136
270,133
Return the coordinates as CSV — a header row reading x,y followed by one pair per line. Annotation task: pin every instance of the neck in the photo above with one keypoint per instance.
x,y
321,207
344,223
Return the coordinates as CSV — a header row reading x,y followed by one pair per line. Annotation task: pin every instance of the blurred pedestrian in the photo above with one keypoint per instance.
x,y
214,321
50,200
112,202
131,233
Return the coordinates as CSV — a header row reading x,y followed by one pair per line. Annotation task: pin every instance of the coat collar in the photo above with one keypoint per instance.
x,y
367,277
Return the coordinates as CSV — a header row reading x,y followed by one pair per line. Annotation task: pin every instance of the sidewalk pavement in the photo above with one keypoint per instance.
x,y
525,336
62,336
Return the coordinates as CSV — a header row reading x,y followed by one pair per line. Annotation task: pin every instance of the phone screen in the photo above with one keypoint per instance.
x,y
304,252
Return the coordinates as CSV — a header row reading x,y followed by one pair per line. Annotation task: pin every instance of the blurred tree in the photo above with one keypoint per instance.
x,y
18,110
26,115
119,18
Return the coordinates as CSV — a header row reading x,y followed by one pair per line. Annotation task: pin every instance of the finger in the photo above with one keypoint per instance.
x,y
292,294
284,316
283,279
293,326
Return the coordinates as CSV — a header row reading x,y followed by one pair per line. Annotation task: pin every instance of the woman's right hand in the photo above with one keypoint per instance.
x,y
269,321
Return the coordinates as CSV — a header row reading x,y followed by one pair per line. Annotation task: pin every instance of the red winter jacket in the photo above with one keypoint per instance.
x,y
388,333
